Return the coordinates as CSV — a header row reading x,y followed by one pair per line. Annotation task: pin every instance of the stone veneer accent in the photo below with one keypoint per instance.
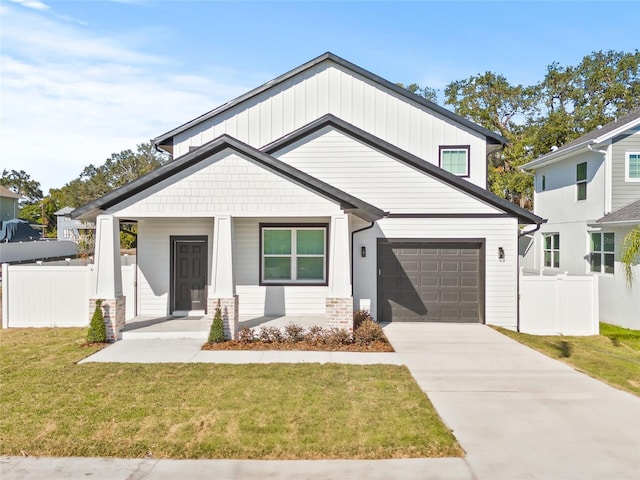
x,y
340,312
229,307
114,312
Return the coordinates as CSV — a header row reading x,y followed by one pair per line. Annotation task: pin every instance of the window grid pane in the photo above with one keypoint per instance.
x,y
608,242
310,242
277,242
581,171
277,268
310,268
634,165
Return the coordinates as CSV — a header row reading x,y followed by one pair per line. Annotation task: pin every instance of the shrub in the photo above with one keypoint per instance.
x,y
97,330
216,333
338,336
369,332
247,335
316,334
360,316
271,335
293,333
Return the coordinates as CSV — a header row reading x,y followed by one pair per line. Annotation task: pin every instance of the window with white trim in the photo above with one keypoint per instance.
x,y
552,250
293,254
602,258
632,167
581,181
455,159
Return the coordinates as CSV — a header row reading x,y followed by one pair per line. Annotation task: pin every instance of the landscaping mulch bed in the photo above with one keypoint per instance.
x,y
236,345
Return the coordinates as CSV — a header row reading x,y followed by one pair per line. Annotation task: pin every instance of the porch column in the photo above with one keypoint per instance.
x,y
223,287
107,278
339,305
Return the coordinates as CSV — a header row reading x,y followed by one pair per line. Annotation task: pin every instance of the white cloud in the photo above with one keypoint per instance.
x,y
71,98
35,4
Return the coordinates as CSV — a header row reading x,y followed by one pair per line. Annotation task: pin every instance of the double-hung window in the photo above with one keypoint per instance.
x,y
632,167
552,250
455,159
293,254
602,252
581,181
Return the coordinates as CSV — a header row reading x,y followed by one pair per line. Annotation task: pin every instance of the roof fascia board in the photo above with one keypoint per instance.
x,y
405,157
492,137
346,201
618,131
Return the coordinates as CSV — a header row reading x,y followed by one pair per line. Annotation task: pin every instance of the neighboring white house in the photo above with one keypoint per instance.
x,y
325,189
589,191
71,229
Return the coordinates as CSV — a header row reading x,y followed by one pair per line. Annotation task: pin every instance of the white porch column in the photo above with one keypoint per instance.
x,y
339,306
108,275
223,289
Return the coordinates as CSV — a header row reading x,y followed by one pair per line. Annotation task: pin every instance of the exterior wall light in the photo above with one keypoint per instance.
x,y
501,254
363,251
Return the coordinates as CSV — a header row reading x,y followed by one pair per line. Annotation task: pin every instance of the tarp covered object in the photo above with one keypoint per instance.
x,y
17,230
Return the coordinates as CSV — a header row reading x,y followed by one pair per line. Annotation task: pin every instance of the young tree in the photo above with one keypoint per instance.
x,y
630,253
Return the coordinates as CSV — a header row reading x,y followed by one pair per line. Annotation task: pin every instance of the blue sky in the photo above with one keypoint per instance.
x,y
80,79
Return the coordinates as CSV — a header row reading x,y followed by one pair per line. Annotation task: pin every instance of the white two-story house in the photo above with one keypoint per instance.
x,y
589,192
326,189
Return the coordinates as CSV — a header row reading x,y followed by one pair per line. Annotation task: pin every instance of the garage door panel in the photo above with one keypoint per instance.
x,y
429,282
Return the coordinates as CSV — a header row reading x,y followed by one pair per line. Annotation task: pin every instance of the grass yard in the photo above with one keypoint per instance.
x,y
613,356
51,406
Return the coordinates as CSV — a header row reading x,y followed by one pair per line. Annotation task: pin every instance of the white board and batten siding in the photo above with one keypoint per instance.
x,y
375,177
500,276
329,88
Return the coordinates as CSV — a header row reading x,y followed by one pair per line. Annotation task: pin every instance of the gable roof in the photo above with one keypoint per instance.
x,y
524,216
629,214
594,137
166,139
6,193
346,201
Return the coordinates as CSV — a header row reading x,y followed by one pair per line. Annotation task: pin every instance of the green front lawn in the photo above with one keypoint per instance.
x,y
51,406
613,356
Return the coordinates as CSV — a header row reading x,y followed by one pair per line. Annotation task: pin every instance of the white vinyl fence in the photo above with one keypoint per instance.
x,y
54,295
559,305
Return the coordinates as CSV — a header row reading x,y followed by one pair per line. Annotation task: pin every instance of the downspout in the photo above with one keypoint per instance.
x,y
352,256
520,235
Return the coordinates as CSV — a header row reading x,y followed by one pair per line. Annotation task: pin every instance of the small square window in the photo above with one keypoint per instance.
x,y
455,159
632,167
581,181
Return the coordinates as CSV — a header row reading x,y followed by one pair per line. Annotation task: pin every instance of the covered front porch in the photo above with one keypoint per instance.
x,y
146,327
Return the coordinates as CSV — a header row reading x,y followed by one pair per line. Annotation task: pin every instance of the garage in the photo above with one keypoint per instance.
x,y
430,280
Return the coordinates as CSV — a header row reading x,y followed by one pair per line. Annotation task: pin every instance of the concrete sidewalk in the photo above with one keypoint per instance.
x,y
517,413
186,350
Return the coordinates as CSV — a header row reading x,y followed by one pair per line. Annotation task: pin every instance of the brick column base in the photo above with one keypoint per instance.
x,y
229,307
340,312
114,312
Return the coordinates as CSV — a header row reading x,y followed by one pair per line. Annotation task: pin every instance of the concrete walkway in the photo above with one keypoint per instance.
x,y
517,414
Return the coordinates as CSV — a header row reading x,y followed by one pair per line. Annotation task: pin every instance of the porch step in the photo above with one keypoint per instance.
x,y
170,327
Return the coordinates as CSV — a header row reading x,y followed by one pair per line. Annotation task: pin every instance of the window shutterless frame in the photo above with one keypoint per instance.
x,y
632,166
602,257
581,181
289,254
551,250
455,159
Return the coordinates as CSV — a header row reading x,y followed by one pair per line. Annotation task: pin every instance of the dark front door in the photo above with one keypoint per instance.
x,y
420,281
189,272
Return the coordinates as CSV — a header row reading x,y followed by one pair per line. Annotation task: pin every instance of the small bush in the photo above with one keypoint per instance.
x,y
271,335
97,330
247,335
293,333
316,334
216,333
369,332
338,336
360,316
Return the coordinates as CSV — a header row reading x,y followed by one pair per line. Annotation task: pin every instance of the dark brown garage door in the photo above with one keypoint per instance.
x,y
422,281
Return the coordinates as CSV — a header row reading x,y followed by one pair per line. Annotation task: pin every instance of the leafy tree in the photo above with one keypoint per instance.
x,y
427,93
21,183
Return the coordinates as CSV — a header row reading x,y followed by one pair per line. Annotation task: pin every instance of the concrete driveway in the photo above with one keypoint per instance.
x,y
517,413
